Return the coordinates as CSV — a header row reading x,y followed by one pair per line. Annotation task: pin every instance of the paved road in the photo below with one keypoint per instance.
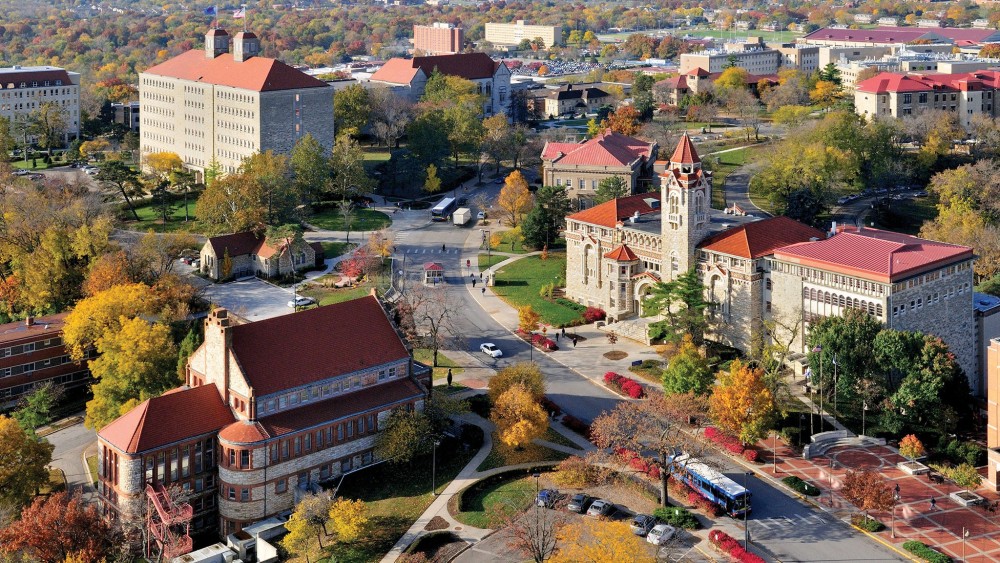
x,y
737,190
70,444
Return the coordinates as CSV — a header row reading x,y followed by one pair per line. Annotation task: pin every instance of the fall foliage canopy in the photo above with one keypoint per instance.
x,y
515,199
57,528
741,404
593,541
519,417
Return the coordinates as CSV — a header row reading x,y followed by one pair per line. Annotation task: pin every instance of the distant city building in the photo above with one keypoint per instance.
x,y
890,34
799,57
752,56
511,34
580,167
888,21
32,354
899,95
928,23
23,89
209,104
408,77
127,114
862,18
438,39
268,411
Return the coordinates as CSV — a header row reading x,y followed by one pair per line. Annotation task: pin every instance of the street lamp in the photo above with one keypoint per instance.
x,y
836,388
895,500
536,475
746,511
434,467
820,350
774,452
965,534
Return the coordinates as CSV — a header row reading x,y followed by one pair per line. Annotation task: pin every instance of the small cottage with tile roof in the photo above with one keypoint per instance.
x,y
250,254
769,278
581,166
268,411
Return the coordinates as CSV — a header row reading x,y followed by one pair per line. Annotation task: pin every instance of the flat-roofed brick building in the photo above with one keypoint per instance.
x,y
31,354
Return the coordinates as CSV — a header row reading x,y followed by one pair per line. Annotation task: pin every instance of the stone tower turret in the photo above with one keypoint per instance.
x,y
245,45
216,43
685,196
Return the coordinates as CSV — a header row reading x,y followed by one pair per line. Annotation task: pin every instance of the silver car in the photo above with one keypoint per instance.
x,y
601,509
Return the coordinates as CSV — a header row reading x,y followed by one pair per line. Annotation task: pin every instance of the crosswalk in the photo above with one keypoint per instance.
x,y
780,526
400,239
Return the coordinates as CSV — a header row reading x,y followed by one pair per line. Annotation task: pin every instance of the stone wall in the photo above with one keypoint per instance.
x,y
288,115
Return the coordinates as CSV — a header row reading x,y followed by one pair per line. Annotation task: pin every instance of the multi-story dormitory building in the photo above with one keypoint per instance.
x,y
771,269
216,104
23,89
269,409
31,354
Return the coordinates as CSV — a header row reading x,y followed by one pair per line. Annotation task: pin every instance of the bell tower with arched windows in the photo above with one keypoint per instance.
x,y
685,198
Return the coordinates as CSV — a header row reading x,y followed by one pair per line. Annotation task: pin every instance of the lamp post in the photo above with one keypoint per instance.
x,y
836,387
892,529
434,467
965,534
820,350
746,512
774,452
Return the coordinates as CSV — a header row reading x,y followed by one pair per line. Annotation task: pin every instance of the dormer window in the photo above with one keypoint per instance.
x,y
685,168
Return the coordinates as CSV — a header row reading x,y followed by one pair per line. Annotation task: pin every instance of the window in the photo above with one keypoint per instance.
x,y
245,459
281,485
361,426
244,495
340,432
308,442
284,449
298,445
350,429
232,493
232,458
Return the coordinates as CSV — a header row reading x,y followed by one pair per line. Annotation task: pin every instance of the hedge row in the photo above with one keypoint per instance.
x,y
728,544
624,385
800,486
593,314
927,554
678,517
731,443
867,523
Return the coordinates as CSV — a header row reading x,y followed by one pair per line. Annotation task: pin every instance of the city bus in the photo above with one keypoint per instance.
x,y
443,209
713,485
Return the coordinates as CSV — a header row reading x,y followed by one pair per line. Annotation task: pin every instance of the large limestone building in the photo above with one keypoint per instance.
x,y
211,103
755,271
269,409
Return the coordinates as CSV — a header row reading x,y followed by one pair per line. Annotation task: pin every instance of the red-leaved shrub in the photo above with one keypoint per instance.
x,y
576,425
551,407
593,314
624,385
730,546
730,443
750,455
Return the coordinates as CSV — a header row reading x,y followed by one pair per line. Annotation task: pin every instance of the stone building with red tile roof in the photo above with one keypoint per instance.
x,y
897,94
408,77
268,410
211,103
251,255
581,166
755,271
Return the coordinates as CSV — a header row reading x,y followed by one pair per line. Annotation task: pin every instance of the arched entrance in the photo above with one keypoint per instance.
x,y
643,288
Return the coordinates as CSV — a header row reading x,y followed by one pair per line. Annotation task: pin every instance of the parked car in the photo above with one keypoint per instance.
x,y
462,201
21,172
490,349
481,215
547,498
921,193
843,200
579,503
601,509
661,534
642,524
301,301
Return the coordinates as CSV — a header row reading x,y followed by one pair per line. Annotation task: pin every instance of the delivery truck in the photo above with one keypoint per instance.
x,y
461,216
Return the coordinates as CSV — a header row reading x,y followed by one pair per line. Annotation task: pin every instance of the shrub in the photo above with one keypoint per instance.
x,y
593,314
867,523
800,486
695,498
550,407
959,452
624,385
927,554
730,443
790,434
570,304
728,544
750,455
480,404
574,472
677,517
576,425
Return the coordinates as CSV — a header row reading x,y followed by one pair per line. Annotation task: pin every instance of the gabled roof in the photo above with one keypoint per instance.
x,y
622,254
607,149
760,238
697,71
609,213
471,66
873,254
293,350
685,153
238,244
887,82
258,74
13,77
154,423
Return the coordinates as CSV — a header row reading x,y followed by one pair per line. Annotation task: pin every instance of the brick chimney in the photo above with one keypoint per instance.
x,y
29,321
218,342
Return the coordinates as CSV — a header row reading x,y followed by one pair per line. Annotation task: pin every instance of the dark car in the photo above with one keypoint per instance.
x,y
547,498
642,524
579,503
462,201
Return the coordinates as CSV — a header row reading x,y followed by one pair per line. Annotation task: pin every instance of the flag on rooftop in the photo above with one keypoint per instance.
x,y
240,14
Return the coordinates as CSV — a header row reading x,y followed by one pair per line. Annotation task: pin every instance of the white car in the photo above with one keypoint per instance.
x,y
481,215
301,301
490,349
660,534
91,171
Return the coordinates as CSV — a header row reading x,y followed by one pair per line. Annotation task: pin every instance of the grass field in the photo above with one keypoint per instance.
x,y
518,284
334,249
507,241
908,215
490,260
426,357
496,502
150,218
503,455
361,220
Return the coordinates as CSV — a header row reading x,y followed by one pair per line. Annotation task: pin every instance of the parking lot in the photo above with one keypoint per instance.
x,y
252,298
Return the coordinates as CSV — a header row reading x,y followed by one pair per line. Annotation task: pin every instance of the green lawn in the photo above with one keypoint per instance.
x,y
494,503
489,260
425,356
503,455
57,481
150,218
508,243
519,282
361,220
553,436
334,249
92,467
396,496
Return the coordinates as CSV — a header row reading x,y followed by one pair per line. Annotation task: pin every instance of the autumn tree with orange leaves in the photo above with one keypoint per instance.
x,y
595,541
741,403
518,417
867,490
515,199
57,528
624,120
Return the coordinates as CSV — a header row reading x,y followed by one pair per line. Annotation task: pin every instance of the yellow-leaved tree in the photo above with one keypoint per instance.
x,y
515,199
525,374
161,164
592,541
349,519
527,318
103,313
518,417
23,458
741,404
301,532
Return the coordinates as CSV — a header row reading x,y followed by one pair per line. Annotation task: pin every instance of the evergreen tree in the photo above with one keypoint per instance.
x,y
682,302
542,224
187,347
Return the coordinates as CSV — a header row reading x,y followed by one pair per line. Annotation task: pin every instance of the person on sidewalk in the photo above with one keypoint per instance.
x,y
484,291
473,283
933,503
574,342
449,377
442,248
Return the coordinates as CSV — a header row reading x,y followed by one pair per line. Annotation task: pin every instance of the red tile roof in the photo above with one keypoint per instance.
x,y
874,254
760,238
243,432
467,65
609,213
296,349
47,326
239,244
383,396
622,254
685,153
156,422
607,149
259,74
895,34
14,78
887,82
434,266
697,71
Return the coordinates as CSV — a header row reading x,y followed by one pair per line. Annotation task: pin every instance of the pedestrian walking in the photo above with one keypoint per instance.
x,y
933,503
480,276
442,248
473,283
557,337
484,291
897,489
574,342
449,377
564,331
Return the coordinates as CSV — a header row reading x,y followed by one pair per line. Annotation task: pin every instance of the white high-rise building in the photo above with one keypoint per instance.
x,y
23,89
